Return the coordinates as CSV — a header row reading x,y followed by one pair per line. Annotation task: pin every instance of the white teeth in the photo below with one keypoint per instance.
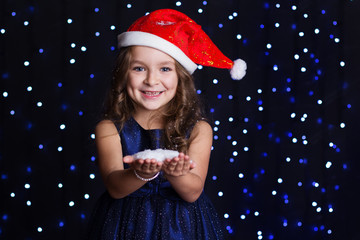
x,y
152,93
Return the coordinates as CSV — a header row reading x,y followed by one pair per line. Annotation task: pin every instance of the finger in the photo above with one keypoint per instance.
x,y
168,167
167,162
187,163
128,159
156,168
173,164
165,166
147,163
138,163
180,166
153,165
159,166
192,164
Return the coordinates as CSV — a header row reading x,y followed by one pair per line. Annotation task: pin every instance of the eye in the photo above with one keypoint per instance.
x,y
138,69
165,69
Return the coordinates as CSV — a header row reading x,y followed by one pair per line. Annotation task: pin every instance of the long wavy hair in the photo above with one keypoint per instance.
x,y
180,115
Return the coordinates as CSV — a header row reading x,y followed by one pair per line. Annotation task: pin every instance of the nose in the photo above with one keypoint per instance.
x,y
151,79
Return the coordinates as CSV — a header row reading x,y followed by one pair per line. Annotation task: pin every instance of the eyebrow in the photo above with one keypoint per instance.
x,y
160,63
166,62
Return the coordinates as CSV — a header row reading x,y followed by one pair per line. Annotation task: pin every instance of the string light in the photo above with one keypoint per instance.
x,y
261,135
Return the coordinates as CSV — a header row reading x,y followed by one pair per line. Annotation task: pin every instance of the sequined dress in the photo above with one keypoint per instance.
x,y
155,211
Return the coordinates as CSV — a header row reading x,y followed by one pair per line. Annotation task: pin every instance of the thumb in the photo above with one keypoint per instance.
x,y
128,159
192,164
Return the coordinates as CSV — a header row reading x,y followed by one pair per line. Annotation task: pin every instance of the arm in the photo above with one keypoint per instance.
x,y
118,181
188,180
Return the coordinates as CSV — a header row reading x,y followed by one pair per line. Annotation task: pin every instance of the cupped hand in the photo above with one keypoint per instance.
x,y
178,166
144,167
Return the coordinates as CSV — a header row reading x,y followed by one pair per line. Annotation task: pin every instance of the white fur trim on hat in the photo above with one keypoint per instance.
x,y
238,70
132,38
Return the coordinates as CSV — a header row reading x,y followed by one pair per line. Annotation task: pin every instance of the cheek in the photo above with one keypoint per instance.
x,y
131,84
173,89
130,90
173,84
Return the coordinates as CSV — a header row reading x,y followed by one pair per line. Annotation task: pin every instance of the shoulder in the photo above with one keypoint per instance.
x,y
201,128
105,128
203,125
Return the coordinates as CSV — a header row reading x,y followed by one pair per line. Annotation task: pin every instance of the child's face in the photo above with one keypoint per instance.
x,y
152,79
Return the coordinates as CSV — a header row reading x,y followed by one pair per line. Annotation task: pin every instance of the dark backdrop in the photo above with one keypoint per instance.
x,y
285,156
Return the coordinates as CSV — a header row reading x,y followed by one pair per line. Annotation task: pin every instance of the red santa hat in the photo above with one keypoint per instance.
x,y
180,37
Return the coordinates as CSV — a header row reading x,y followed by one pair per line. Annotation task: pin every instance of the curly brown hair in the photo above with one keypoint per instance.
x,y
180,115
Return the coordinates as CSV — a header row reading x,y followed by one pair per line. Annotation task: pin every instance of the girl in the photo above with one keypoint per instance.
x,y
153,104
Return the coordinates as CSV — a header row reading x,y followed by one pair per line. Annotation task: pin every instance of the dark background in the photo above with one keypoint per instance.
x,y
287,189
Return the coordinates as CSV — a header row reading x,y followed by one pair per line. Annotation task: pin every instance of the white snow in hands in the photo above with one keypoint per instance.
x,y
159,154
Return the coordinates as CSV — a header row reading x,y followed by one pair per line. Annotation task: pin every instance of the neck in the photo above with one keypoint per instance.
x,y
149,119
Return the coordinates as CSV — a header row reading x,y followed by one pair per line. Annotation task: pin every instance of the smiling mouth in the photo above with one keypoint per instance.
x,y
152,94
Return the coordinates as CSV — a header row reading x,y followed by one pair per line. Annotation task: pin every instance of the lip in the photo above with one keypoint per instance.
x,y
151,94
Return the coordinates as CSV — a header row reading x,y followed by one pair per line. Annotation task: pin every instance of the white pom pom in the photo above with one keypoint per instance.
x,y
238,71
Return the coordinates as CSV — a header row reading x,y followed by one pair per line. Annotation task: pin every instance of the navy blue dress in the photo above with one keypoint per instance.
x,y
155,211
